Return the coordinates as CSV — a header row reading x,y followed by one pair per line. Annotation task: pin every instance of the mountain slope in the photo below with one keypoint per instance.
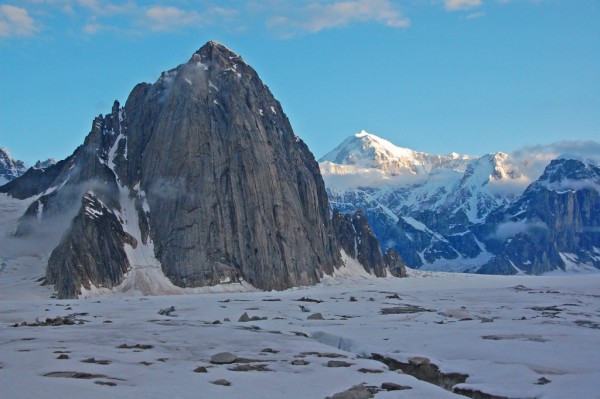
x,y
199,178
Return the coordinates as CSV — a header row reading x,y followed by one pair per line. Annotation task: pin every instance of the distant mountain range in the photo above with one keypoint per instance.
x,y
484,214
10,168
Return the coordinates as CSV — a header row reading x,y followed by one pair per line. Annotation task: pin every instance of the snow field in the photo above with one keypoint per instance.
x,y
506,333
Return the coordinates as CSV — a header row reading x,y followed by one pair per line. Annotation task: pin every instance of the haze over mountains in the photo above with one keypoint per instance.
x,y
495,213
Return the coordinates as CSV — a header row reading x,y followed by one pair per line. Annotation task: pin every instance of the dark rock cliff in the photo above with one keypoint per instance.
x,y
204,168
233,193
357,239
91,252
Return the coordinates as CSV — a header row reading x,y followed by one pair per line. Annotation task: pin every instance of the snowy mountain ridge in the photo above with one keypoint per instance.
x,y
10,168
490,214
365,150
419,181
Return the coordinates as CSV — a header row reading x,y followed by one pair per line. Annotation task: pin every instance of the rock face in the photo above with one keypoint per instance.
x,y
468,214
92,252
357,239
10,169
201,172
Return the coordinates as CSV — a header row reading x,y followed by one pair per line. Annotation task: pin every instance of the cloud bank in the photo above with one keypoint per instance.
x,y
532,160
454,5
16,21
318,16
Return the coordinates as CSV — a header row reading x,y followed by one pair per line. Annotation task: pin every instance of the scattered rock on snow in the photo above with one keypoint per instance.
x,y
543,381
305,299
107,383
223,358
315,316
250,367
201,369
135,347
338,363
222,382
404,309
166,311
369,371
245,318
299,362
419,361
356,392
93,360
390,386
74,374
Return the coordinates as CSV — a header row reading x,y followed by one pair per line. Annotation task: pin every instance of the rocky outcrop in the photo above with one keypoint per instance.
x,y
91,252
394,262
357,239
202,168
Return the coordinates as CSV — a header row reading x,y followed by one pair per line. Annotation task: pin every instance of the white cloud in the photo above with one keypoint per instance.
x,y
454,5
105,8
65,5
169,18
172,18
532,160
16,21
475,15
512,228
317,16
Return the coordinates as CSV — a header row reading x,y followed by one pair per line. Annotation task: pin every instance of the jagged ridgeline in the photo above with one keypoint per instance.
x,y
199,176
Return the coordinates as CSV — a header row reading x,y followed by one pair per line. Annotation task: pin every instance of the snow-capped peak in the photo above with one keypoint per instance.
x,y
9,167
403,180
44,164
365,150
568,175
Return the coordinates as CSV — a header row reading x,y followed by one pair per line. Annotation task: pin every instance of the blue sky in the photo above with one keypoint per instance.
x,y
469,76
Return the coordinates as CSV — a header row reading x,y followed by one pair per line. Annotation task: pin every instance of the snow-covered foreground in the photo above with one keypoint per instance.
x,y
518,337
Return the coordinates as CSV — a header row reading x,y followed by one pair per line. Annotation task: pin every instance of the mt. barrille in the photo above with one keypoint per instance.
x,y
465,213
199,178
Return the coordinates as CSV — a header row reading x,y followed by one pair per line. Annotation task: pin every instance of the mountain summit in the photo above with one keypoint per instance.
x,y
365,150
198,180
